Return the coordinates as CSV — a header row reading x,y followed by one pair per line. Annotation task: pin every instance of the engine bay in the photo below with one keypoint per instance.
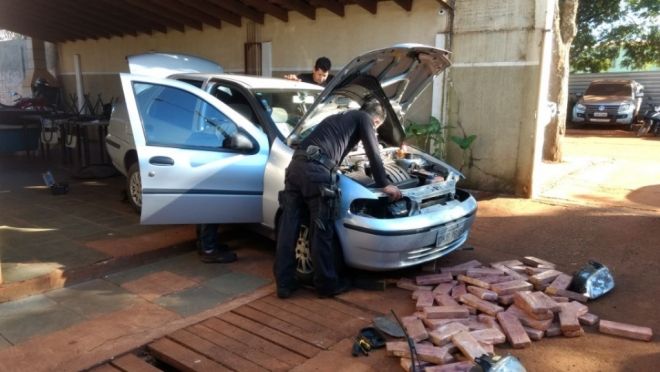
x,y
404,169
424,183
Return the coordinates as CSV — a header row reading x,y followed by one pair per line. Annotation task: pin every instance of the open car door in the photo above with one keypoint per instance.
x,y
200,161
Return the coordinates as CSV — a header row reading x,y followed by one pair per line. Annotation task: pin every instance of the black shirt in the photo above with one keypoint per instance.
x,y
309,78
337,134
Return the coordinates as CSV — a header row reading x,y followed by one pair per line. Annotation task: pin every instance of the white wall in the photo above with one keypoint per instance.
x,y
494,89
295,45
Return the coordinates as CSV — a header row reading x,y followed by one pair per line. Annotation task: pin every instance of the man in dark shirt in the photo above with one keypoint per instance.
x,y
320,75
310,181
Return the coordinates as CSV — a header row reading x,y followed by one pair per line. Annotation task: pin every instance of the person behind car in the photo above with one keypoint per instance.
x,y
320,75
210,251
310,182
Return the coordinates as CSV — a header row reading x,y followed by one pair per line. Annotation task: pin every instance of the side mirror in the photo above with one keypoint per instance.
x,y
240,141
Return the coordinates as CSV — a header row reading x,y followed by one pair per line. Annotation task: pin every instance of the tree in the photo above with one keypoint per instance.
x,y
564,30
610,28
596,32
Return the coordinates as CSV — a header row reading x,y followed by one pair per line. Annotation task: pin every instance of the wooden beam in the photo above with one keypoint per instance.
x,y
31,14
44,12
16,24
216,11
85,16
241,9
165,14
405,4
156,22
266,7
164,10
331,5
128,20
189,9
369,5
299,6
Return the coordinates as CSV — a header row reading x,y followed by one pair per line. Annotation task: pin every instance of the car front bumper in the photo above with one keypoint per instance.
x,y
609,118
386,244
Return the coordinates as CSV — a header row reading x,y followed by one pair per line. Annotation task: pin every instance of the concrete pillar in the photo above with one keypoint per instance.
x,y
494,90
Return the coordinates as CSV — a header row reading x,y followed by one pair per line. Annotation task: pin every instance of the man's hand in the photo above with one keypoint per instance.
x,y
292,77
393,192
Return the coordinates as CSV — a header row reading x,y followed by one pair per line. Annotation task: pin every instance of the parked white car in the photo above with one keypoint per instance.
x,y
200,161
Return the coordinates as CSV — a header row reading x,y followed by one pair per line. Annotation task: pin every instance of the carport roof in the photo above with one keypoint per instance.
x,y
68,20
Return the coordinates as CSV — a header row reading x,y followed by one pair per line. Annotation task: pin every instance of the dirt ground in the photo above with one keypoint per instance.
x,y
601,203
604,206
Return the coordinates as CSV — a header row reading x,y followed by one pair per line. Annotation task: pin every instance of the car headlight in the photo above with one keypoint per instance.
x,y
625,107
580,107
382,207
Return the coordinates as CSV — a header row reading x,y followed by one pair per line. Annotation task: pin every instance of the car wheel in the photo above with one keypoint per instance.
x,y
304,265
134,187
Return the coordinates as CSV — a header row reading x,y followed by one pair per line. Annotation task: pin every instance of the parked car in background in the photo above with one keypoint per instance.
x,y
202,160
609,102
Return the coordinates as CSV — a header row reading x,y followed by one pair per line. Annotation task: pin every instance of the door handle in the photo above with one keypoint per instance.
x,y
161,160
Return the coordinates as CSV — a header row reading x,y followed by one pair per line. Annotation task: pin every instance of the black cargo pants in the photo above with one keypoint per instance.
x,y
303,183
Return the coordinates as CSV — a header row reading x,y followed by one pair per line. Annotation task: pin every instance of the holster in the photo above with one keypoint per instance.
x,y
331,196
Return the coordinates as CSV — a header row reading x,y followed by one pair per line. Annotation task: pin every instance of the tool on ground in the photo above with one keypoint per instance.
x,y
388,326
414,358
367,339
497,363
593,280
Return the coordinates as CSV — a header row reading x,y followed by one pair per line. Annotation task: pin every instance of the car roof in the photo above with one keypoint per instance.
x,y
250,82
613,81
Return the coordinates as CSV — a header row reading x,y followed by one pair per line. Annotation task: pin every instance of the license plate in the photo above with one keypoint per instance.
x,y
448,234
600,114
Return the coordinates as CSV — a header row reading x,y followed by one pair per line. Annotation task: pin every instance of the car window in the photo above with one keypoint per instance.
x,y
333,104
175,118
195,83
286,107
233,98
609,90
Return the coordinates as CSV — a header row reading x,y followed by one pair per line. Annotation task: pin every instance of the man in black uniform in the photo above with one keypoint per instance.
x,y
320,75
310,181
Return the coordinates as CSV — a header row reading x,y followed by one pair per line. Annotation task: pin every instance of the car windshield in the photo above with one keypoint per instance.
x,y
286,107
331,105
609,90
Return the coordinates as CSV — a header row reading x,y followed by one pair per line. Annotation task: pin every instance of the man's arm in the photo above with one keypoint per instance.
x,y
370,143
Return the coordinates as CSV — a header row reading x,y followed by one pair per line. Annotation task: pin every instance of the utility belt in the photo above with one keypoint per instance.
x,y
313,153
330,194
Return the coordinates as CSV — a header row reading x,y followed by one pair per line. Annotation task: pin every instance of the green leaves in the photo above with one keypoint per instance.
x,y
464,142
431,135
610,28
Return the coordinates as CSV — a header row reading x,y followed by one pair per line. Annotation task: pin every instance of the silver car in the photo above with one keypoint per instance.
x,y
200,161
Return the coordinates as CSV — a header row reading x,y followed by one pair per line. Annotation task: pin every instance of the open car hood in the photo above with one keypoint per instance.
x,y
166,64
396,75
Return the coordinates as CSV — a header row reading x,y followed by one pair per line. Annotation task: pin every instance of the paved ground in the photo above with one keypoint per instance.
x,y
605,206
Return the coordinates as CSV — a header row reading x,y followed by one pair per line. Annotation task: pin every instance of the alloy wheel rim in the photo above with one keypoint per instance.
x,y
303,254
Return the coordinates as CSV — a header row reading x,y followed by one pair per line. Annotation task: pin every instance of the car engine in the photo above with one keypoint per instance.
x,y
426,184
404,169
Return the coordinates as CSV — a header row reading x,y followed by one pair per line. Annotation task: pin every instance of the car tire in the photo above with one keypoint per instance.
x,y
304,264
134,187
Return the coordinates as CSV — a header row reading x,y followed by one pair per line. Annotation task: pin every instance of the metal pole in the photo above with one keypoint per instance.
x,y
79,83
